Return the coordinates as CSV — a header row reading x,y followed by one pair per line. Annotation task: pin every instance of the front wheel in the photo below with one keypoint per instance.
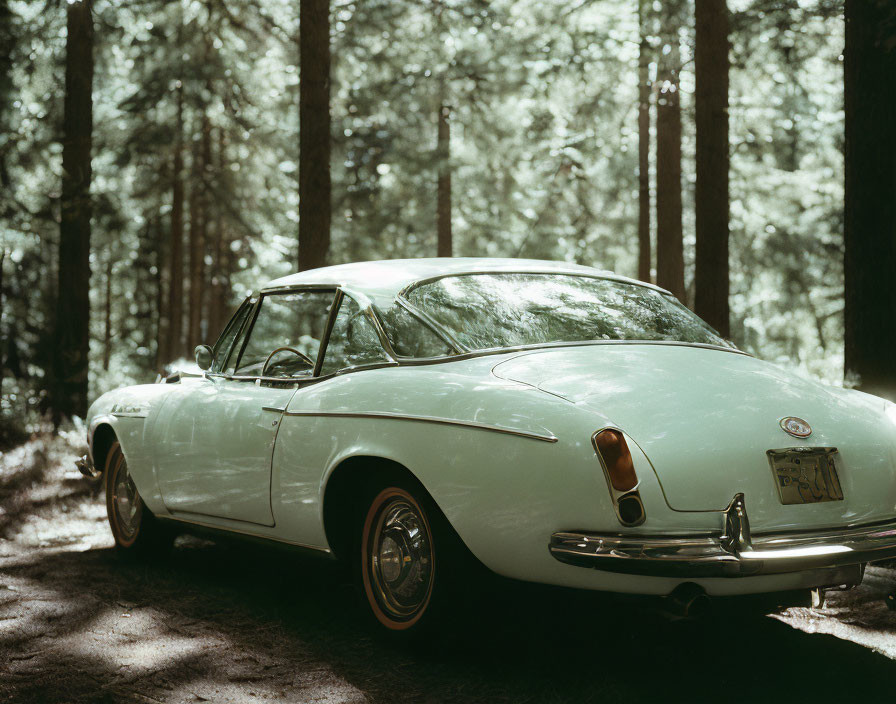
x,y
136,531
401,561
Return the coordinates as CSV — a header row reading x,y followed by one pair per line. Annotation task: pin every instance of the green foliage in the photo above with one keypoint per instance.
x,y
543,100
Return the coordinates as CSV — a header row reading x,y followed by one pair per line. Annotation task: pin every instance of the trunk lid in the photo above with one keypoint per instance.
x,y
706,418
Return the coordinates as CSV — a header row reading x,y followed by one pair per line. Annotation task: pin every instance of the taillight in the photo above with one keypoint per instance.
x,y
619,469
617,459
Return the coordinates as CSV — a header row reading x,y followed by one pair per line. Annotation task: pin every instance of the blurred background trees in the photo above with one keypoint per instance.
x,y
583,131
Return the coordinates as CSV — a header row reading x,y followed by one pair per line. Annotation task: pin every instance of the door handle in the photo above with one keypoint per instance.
x,y
273,410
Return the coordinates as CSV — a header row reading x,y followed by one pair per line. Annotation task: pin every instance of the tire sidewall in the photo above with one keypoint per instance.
x,y
438,599
115,462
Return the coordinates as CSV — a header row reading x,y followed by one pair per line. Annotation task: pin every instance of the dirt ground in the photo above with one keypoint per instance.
x,y
237,623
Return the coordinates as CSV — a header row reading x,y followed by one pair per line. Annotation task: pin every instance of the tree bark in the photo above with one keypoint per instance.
x,y
220,261
443,205
2,338
669,240
870,213
314,133
711,279
7,43
644,90
107,326
176,250
72,323
197,237
159,284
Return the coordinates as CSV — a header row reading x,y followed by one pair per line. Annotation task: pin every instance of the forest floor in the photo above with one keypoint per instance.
x,y
231,623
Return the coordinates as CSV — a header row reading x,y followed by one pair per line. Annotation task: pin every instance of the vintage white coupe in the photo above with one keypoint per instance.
x,y
555,423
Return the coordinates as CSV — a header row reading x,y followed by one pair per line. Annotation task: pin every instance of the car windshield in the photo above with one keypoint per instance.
x,y
486,311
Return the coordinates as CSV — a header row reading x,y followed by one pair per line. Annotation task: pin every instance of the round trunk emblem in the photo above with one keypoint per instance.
x,y
796,427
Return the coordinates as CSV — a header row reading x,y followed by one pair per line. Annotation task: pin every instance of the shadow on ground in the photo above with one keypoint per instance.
x,y
231,623
236,623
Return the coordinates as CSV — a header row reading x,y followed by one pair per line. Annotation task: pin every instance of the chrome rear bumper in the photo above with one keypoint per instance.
x,y
733,553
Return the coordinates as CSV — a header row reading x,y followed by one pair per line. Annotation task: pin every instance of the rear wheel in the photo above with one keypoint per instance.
x,y
402,559
136,530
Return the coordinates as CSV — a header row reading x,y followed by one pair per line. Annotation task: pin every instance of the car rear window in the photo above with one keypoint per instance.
x,y
486,311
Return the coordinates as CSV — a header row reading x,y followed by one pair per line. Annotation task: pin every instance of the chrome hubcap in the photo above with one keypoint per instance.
x,y
126,501
400,550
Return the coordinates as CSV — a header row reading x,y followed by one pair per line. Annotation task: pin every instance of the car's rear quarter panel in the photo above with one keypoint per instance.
x,y
504,494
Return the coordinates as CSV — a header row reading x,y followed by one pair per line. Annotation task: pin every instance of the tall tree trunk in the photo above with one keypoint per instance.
x,y
107,327
644,89
314,133
443,206
870,217
711,67
197,239
2,338
159,283
669,240
7,43
72,324
218,293
176,250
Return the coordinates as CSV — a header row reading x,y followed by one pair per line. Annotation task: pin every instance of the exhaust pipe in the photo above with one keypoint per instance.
x,y
688,600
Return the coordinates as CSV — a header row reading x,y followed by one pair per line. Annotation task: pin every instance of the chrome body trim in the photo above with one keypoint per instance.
x,y
299,381
732,553
120,414
419,361
424,419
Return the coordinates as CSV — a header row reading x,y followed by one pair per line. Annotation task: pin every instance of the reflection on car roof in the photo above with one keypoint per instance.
x,y
385,279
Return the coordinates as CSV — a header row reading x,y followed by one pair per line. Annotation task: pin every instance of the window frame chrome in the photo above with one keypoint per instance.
x,y
339,293
465,352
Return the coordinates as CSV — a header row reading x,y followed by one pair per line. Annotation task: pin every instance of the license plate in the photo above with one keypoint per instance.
x,y
806,475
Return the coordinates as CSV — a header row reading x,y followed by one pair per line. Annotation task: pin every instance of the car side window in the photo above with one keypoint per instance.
x,y
295,321
353,340
225,342
410,337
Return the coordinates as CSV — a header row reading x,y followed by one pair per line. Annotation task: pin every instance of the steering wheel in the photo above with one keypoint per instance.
x,y
300,355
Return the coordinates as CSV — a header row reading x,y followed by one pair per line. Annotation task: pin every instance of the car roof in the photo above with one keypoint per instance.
x,y
383,280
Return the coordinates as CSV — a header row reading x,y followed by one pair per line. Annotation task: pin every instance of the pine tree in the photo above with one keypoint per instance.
x,y
711,60
72,336
669,235
314,133
870,226
176,259
645,88
443,202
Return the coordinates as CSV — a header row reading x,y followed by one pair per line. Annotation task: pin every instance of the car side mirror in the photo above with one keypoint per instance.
x,y
204,356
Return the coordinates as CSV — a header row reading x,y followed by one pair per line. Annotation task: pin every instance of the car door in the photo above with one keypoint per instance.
x,y
307,440
217,434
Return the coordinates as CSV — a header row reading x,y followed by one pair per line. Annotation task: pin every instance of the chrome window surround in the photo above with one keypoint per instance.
x,y
615,494
461,353
334,304
466,353
246,303
338,294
